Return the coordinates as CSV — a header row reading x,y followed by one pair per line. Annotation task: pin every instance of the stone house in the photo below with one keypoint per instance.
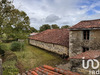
x,y
54,40
84,36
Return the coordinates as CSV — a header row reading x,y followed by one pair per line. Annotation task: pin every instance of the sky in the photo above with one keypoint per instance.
x,y
60,12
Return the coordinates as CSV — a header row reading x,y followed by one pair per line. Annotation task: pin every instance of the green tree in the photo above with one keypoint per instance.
x,y
32,29
13,23
54,26
44,27
65,26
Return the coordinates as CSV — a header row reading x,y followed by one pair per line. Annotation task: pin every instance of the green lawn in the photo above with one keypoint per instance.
x,y
33,57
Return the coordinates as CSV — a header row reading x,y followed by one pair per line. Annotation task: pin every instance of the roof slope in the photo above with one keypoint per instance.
x,y
87,24
55,36
92,54
48,70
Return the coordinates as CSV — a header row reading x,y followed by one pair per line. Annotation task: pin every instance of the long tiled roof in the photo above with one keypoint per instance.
x,y
55,36
48,70
87,24
92,54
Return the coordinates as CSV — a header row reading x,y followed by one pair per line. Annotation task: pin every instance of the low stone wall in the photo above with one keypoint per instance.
x,y
50,47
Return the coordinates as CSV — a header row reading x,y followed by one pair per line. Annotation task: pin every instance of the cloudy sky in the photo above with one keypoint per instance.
x,y
61,12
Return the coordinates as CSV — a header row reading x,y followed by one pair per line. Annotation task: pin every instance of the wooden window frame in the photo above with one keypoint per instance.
x,y
86,34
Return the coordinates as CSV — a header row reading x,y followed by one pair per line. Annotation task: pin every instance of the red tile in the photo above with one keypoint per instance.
x,y
87,24
91,54
48,70
54,36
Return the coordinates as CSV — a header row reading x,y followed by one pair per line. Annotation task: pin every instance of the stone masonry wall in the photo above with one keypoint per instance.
x,y
95,40
50,47
76,41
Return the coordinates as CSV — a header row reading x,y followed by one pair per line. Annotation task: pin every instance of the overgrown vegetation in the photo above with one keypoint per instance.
x,y
29,58
17,46
3,48
9,68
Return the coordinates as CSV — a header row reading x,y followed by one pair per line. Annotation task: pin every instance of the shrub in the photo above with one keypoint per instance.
x,y
17,46
10,56
3,48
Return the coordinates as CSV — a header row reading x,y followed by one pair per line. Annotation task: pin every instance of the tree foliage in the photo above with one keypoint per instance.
x,y
32,29
45,27
13,23
65,26
54,26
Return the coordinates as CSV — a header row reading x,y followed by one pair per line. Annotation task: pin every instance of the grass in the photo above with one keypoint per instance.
x,y
33,57
10,68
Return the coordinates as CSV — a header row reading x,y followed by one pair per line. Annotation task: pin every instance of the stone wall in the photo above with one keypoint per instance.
x,y
76,41
75,38
50,47
95,40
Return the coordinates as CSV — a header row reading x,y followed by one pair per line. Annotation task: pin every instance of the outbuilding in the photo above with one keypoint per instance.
x,y
54,40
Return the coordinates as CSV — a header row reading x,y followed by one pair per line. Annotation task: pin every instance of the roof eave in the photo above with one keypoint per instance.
x,y
72,29
50,42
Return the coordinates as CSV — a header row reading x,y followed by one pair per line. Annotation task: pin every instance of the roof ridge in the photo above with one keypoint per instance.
x,y
86,24
90,20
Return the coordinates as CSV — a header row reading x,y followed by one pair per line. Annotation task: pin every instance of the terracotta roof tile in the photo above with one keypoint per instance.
x,y
87,24
48,70
55,36
92,54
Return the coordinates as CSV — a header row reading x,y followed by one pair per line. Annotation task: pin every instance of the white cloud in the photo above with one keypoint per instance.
x,y
64,11
52,18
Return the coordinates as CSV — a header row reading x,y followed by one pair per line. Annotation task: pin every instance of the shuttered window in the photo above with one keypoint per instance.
x,y
86,34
